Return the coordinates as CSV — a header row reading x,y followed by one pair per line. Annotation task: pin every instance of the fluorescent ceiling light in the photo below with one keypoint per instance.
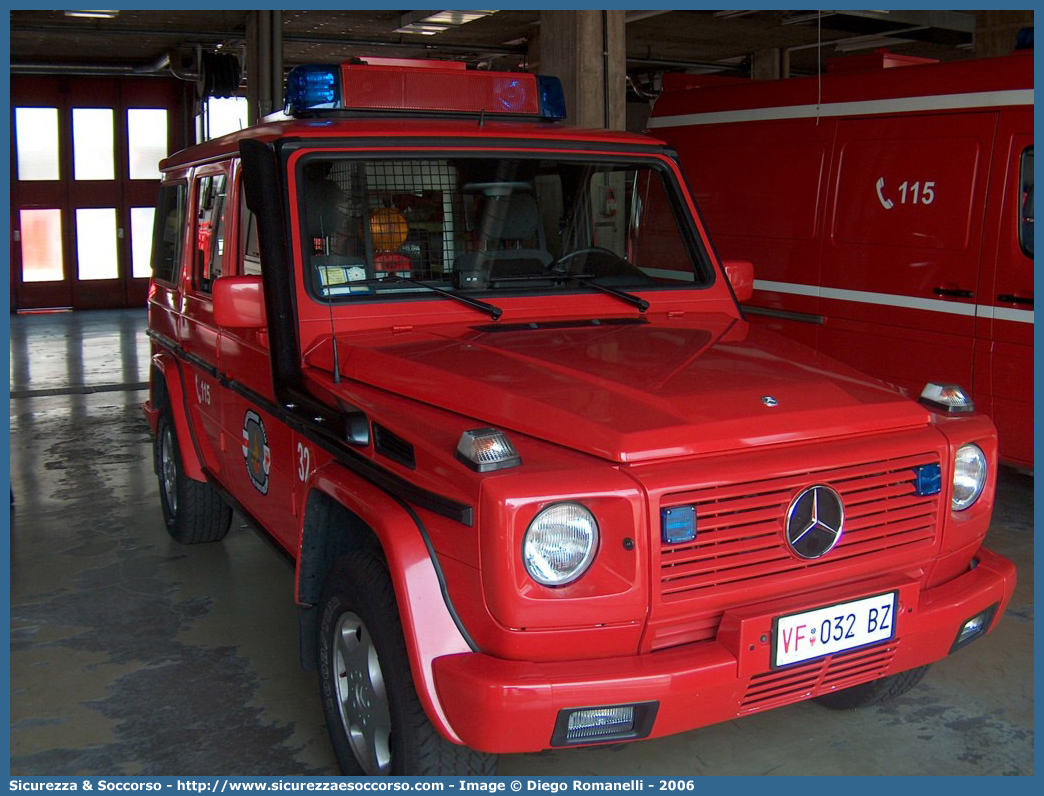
x,y
428,24
93,14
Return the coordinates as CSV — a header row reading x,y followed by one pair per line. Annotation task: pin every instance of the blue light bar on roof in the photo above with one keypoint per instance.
x,y
312,87
552,98
430,89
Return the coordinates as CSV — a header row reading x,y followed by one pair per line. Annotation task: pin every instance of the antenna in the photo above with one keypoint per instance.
x,y
329,302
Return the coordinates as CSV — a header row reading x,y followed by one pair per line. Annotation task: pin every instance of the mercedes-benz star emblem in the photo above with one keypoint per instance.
x,y
814,521
768,400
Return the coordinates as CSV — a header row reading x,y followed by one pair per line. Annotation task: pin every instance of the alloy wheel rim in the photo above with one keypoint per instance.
x,y
169,470
362,699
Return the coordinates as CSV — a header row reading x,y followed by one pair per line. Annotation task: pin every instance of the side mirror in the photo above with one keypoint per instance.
x,y
741,277
239,302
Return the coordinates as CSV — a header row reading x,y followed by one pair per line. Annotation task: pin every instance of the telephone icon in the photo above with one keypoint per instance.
x,y
886,203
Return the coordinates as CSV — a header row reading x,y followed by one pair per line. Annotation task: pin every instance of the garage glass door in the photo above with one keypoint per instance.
x,y
84,178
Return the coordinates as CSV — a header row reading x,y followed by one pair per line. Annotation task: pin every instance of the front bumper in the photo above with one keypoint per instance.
x,y
503,706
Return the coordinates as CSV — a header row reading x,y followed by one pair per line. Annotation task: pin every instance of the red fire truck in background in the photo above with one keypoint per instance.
x,y
888,213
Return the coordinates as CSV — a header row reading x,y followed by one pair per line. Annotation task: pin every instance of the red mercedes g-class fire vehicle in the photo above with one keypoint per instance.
x,y
484,379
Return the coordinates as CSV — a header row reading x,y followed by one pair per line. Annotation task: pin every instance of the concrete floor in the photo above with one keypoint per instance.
x,y
133,655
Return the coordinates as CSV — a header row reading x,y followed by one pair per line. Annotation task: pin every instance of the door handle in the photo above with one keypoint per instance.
x,y
1009,298
953,292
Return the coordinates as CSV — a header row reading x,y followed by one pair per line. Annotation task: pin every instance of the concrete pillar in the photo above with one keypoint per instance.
x,y
577,46
766,65
264,63
995,31
253,83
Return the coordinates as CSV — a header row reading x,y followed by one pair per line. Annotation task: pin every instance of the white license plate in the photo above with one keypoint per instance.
x,y
822,631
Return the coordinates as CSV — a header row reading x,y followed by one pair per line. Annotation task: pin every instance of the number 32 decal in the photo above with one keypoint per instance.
x,y
304,462
917,193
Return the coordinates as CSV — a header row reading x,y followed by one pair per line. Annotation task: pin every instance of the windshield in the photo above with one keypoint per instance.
x,y
375,229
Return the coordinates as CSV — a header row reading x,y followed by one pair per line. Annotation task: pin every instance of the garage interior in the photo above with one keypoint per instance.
x,y
132,655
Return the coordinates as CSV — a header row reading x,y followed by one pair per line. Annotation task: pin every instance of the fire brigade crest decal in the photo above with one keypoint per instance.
x,y
256,452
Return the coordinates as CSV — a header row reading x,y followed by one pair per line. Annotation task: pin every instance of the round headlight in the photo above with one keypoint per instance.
x,y
560,544
969,476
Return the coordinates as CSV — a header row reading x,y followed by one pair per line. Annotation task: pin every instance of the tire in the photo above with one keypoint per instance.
x,y
875,692
376,722
193,511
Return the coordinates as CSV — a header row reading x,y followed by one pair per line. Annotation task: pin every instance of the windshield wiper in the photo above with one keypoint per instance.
x,y
588,279
584,279
491,310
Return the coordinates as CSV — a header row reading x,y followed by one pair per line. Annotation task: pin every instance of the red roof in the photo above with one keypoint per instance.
x,y
414,127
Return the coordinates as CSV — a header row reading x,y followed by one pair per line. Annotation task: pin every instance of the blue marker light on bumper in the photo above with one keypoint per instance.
x,y
928,479
678,524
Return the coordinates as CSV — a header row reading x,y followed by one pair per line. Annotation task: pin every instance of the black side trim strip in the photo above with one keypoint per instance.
x,y
165,341
786,315
324,426
201,363
439,574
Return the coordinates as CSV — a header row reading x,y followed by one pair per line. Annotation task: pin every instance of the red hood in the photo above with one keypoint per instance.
x,y
628,391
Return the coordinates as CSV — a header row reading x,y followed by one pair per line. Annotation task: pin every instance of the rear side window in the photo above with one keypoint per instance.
x,y
169,232
1026,202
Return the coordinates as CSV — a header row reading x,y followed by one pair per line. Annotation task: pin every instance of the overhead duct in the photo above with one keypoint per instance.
x,y
939,27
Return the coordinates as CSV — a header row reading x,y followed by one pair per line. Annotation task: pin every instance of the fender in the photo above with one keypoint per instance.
x,y
427,623
157,376
174,379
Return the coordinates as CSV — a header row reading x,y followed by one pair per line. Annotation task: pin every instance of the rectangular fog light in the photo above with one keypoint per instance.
x,y
599,722
605,723
973,628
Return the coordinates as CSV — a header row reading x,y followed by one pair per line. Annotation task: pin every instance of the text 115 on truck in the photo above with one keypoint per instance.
x,y
481,376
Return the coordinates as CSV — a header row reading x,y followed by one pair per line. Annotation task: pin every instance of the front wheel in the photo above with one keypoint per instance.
x,y
875,692
193,511
376,722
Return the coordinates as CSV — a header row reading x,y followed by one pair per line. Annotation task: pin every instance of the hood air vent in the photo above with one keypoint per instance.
x,y
393,446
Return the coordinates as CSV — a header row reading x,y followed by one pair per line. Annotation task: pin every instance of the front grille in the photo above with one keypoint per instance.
x,y
740,526
783,686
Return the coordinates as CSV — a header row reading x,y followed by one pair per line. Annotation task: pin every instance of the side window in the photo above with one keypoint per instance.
x,y
653,242
210,229
169,232
248,241
1026,202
